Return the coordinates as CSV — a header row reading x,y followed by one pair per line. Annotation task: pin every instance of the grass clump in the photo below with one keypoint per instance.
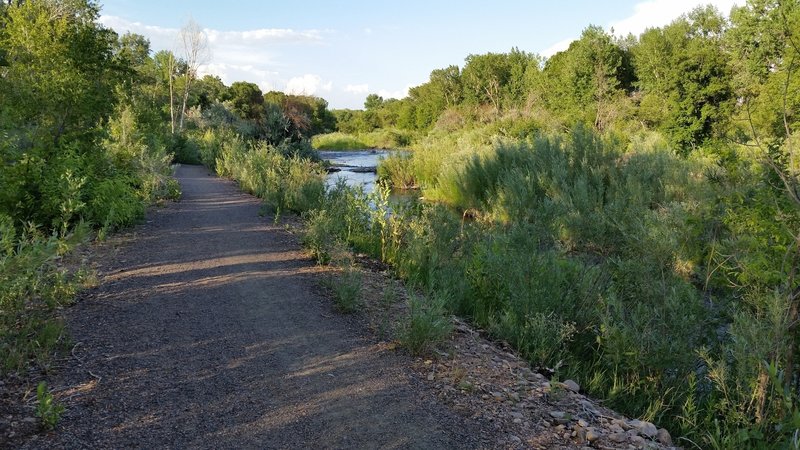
x,y
380,139
346,287
47,408
427,324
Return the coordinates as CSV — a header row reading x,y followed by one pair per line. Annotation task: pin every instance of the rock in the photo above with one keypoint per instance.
x,y
583,423
580,435
589,407
638,441
592,435
517,415
517,420
572,386
430,376
618,437
513,396
664,437
557,414
647,429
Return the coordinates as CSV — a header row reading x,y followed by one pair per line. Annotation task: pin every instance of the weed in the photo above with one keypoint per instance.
x,y
346,287
47,408
426,326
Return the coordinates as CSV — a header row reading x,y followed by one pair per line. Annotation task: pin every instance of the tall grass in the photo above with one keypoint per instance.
x,y
383,139
294,183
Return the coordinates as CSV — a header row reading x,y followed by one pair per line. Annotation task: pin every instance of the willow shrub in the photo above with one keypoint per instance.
x,y
295,183
32,286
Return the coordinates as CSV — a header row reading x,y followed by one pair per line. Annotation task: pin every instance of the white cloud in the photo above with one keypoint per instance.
x,y
248,55
649,14
656,13
264,36
357,88
559,46
307,84
230,73
398,94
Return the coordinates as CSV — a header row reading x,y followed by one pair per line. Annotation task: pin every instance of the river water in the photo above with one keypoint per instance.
x,y
352,163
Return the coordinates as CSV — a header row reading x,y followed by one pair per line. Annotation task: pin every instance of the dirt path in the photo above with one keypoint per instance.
x,y
208,330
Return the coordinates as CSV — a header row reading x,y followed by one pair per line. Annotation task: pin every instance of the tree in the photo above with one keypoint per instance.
x,y
196,52
585,82
685,78
373,102
247,100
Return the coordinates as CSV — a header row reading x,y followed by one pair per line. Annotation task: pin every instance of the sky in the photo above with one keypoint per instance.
x,y
344,50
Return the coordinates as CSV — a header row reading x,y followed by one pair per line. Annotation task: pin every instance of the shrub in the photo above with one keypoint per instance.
x,y
346,287
426,325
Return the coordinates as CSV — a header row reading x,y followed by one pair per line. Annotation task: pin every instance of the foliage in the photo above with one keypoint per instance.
x,y
426,326
32,286
294,183
47,408
383,139
346,287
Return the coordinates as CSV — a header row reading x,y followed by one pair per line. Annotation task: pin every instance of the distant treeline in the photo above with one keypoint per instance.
x,y
700,78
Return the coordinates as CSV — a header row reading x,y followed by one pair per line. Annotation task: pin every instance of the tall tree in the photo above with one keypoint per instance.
x,y
685,77
196,52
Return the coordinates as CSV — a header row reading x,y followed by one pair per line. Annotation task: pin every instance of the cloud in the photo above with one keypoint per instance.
x,y
265,36
649,14
249,55
655,13
399,94
559,46
357,88
230,73
307,84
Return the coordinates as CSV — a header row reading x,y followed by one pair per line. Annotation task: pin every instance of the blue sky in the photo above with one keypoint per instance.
x,y
342,51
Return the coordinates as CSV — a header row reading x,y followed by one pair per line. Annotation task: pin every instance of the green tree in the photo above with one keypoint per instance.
x,y
247,100
373,102
586,82
685,78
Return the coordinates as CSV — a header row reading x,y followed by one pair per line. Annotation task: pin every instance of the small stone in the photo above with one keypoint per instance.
x,y
557,414
513,396
638,441
583,423
647,429
517,420
580,435
430,376
618,437
664,437
515,439
622,424
592,435
572,386
428,362
517,415
30,420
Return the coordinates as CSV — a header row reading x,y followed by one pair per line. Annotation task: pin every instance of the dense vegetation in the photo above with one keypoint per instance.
x,y
625,212
90,123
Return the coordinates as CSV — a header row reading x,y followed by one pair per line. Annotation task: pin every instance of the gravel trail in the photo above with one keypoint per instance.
x,y
208,331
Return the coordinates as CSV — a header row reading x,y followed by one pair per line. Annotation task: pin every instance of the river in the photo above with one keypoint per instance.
x,y
354,166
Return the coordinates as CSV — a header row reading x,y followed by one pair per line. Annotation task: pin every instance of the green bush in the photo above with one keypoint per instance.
x,y
31,288
346,287
426,325
293,183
